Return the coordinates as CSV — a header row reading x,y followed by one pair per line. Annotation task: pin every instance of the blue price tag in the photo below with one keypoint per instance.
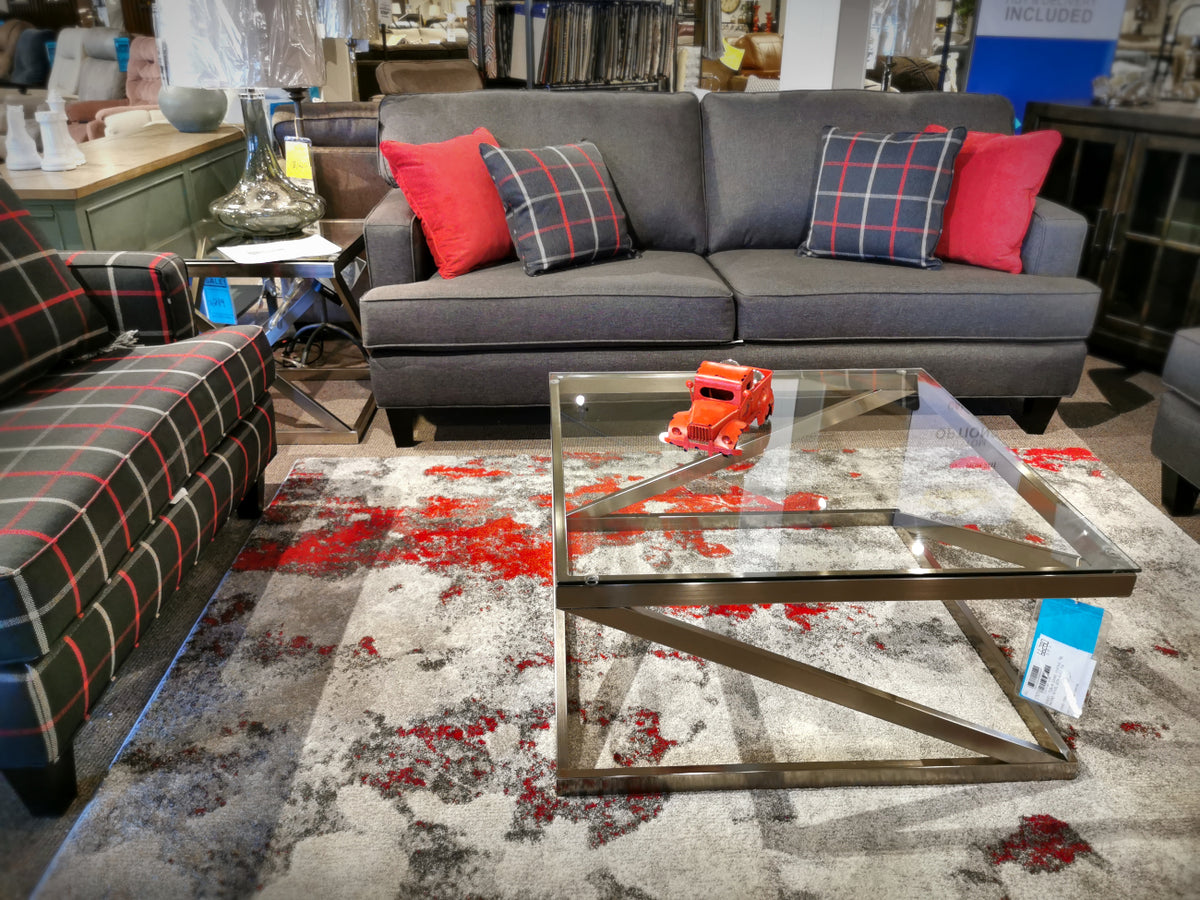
x,y
1062,659
218,301
122,52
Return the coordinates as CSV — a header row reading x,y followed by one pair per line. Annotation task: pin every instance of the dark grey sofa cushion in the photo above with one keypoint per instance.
x,y
785,297
761,151
1182,370
1176,436
650,142
659,298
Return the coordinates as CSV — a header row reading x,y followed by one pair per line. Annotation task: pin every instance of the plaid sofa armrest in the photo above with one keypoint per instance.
x,y
138,291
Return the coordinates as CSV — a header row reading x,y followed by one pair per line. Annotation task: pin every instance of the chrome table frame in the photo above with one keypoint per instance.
x,y
624,603
330,429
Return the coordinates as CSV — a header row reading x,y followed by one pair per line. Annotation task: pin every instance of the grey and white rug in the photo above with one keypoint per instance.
x,y
366,710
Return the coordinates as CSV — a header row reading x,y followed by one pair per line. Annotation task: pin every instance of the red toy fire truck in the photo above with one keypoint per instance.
x,y
726,399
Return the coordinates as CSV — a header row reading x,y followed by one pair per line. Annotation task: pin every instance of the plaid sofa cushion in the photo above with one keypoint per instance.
x,y
90,455
43,703
44,313
561,205
137,291
882,196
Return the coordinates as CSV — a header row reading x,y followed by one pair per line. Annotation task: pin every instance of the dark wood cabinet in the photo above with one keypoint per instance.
x,y
1135,176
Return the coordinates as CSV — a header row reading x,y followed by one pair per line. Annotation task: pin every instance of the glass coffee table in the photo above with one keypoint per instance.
x,y
863,486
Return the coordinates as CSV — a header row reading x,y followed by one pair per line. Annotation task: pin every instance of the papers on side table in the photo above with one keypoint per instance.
x,y
278,251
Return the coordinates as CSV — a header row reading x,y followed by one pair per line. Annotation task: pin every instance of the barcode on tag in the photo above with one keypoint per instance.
x,y
1045,679
1034,673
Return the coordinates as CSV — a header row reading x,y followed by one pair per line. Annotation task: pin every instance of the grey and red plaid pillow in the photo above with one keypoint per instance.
x,y
882,196
44,314
560,204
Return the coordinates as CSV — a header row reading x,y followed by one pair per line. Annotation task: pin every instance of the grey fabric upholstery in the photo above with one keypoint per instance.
x,y
1176,436
1182,370
416,380
761,151
651,144
1054,243
727,180
659,298
785,297
396,248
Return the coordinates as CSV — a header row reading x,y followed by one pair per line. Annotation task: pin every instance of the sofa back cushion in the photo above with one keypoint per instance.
x,y
68,59
650,142
761,151
100,75
44,313
143,78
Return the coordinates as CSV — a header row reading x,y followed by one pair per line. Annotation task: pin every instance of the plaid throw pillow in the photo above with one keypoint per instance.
x,y
881,196
561,207
44,314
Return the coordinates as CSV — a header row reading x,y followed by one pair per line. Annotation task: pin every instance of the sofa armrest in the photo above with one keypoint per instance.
x,y
1054,243
86,110
396,248
138,291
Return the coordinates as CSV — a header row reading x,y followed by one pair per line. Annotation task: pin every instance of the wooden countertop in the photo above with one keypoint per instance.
x,y
115,160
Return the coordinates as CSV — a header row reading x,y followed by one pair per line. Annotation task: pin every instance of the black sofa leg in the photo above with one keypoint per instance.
x,y
1178,494
251,506
1036,413
402,422
47,791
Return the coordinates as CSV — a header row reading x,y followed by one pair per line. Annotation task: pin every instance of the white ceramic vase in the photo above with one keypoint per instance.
x,y
20,148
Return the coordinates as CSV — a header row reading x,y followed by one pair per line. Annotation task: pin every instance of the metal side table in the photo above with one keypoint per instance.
x,y
303,284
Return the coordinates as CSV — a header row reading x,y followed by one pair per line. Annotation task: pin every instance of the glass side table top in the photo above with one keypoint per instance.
x,y
211,236
858,476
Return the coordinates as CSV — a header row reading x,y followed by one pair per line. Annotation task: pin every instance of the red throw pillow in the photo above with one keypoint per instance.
x,y
996,181
451,192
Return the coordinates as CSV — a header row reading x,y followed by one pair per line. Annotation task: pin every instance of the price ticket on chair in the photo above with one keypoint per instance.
x,y
1062,658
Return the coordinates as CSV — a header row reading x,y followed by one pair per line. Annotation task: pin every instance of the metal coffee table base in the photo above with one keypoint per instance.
x,y
1005,758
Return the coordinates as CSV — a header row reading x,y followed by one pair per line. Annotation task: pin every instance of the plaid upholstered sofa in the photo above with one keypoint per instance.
x,y
717,194
125,441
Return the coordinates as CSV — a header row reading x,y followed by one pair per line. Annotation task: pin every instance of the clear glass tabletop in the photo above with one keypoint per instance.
x,y
857,475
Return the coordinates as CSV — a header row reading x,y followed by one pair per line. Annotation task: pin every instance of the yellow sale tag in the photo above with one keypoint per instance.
x,y
732,58
298,161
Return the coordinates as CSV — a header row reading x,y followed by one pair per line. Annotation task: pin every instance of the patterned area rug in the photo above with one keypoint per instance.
x,y
366,709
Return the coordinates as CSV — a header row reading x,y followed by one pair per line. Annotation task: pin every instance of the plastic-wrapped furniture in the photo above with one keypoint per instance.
x,y
131,439
1176,435
142,83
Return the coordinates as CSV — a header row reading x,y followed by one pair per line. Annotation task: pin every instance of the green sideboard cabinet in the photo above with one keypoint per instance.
x,y
141,191
1134,173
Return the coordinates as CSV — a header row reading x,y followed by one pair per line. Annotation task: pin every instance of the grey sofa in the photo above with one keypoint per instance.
x,y
1176,435
717,194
